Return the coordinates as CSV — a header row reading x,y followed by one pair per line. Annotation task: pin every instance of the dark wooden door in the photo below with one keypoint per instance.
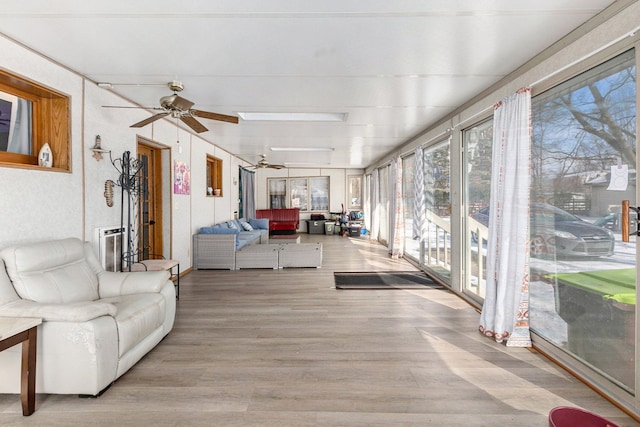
x,y
150,202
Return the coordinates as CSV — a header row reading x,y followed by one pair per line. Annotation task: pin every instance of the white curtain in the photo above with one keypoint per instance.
x,y
20,133
366,202
375,204
418,194
505,314
396,210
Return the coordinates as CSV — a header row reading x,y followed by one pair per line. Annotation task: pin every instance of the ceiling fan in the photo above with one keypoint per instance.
x,y
264,163
180,108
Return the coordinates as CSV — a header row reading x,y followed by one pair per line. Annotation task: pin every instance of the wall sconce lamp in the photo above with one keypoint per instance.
x,y
98,150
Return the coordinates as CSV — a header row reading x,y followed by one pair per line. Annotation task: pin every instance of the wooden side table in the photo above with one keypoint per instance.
x,y
15,330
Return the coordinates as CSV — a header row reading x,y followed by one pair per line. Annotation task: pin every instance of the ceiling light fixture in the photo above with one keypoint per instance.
x,y
301,148
293,117
305,164
109,86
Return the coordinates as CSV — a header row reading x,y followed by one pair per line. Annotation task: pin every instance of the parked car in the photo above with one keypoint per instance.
x,y
558,232
612,222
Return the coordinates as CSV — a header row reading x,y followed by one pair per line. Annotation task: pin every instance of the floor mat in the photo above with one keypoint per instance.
x,y
383,280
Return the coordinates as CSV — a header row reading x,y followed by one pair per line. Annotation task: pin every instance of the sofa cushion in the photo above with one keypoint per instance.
x,y
52,272
244,239
262,223
137,316
218,230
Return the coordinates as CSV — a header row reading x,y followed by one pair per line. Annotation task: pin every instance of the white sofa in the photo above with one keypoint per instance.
x,y
96,324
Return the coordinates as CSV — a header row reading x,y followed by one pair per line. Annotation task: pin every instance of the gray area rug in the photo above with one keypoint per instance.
x,y
384,280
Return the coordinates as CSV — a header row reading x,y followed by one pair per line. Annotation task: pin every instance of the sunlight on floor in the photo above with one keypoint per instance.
x,y
498,382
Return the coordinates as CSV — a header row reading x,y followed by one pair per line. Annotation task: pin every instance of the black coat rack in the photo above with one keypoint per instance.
x,y
130,182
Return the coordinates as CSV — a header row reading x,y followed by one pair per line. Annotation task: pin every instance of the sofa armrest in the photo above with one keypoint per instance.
x,y
214,251
72,312
113,284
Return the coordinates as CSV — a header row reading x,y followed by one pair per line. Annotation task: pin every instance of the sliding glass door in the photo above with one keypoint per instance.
x,y
582,247
583,257
411,240
436,230
477,142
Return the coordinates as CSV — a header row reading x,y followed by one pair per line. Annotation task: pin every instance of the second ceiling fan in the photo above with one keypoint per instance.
x,y
264,163
180,108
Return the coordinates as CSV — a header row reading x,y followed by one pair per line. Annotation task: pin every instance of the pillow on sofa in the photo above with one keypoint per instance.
x,y
246,226
262,223
218,230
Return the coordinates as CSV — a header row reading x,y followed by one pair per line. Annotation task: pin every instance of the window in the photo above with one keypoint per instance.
x,y
319,193
477,140
355,191
307,194
299,193
583,155
30,116
214,176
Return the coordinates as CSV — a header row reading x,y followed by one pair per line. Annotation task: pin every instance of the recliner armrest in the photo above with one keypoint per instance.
x,y
72,312
113,284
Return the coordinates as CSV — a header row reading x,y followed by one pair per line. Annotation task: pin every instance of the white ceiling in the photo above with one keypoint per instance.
x,y
395,67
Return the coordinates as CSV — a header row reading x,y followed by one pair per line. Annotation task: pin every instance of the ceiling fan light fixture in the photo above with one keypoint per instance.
x,y
305,149
293,117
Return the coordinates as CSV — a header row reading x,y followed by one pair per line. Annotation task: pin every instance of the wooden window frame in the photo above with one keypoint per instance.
x,y
214,176
50,123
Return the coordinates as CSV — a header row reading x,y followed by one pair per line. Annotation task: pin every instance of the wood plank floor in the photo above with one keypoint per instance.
x,y
285,348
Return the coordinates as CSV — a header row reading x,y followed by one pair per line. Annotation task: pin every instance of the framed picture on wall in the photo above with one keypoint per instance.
x,y
354,183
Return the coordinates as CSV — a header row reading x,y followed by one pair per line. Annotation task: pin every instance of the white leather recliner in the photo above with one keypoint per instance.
x,y
96,324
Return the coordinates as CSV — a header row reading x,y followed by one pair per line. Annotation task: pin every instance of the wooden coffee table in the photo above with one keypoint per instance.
x,y
15,330
284,238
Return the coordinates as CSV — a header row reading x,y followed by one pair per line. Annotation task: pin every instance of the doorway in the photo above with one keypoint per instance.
x,y
150,212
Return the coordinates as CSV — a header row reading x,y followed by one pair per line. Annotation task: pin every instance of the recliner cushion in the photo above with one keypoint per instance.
x,y
53,272
137,316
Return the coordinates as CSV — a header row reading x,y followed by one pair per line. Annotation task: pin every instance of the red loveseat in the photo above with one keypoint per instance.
x,y
281,221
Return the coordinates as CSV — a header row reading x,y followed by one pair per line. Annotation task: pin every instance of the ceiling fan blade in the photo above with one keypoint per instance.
x,y
276,166
181,103
194,124
149,120
122,106
215,116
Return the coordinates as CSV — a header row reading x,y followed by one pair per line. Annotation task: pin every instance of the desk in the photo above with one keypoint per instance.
x,y
15,330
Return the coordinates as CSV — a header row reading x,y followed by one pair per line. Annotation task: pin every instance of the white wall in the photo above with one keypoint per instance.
x,y
41,204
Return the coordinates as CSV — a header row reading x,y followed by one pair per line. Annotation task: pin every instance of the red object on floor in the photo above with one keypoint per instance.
x,y
283,220
566,416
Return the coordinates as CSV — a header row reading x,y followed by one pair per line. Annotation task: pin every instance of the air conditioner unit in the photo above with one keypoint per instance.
x,y
109,243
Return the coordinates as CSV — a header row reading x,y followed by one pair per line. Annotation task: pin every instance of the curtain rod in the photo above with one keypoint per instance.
x,y
631,33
